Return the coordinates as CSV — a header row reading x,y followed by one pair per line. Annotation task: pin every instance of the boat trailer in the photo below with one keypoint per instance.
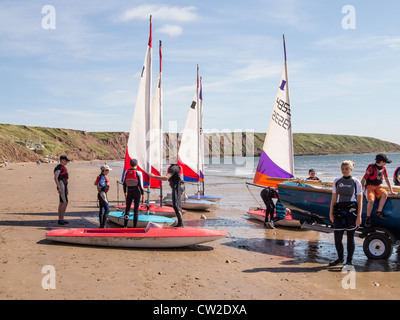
x,y
378,242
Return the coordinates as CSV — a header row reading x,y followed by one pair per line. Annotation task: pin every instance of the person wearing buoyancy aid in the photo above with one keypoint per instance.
x,y
396,177
103,185
345,211
61,178
372,181
173,176
133,189
271,209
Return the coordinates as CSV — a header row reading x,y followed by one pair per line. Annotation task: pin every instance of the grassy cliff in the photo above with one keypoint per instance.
x,y
25,143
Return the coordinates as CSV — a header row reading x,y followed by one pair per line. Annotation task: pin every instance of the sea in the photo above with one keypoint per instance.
x,y
327,167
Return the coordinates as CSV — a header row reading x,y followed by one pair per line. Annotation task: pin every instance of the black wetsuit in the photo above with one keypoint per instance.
x,y
176,185
395,180
102,184
133,186
267,195
345,214
63,182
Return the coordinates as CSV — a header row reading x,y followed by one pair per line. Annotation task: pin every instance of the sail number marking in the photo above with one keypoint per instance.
x,y
280,119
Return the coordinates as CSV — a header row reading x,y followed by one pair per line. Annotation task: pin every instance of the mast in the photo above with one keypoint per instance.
x,y
201,145
291,153
148,116
161,145
198,133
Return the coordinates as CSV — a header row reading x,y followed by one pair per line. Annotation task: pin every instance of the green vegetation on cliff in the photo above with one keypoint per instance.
x,y
25,143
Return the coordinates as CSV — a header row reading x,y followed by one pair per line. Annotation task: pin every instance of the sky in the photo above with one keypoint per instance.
x,y
78,66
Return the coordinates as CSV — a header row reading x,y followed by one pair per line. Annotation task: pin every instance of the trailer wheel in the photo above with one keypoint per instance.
x,y
378,246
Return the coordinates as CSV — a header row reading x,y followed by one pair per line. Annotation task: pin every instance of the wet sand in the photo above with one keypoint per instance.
x,y
252,263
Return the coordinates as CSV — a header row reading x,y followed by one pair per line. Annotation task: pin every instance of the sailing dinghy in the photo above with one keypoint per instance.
x,y
151,237
276,160
191,153
140,136
310,202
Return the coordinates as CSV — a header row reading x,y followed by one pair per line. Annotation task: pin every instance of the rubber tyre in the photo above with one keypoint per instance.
x,y
378,246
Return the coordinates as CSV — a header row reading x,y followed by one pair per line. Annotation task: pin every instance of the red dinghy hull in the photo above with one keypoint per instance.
x,y
166,237
287,222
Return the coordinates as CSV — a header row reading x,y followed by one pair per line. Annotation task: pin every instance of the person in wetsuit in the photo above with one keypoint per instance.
x,y
176,183
61,178
396,177
103,185
267,194
133,189
312,175
372,181
345,211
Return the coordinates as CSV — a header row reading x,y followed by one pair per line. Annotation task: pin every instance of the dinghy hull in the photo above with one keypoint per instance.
x,y
117,217
136,238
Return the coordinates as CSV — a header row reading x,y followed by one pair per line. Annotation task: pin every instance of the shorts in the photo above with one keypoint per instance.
x,y
345,217
375,192
64,192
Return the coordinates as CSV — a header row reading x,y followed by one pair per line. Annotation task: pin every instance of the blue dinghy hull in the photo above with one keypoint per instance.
x,y
311,204
143,219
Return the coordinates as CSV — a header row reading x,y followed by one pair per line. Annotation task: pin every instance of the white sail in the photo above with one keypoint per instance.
x,y
139,141
191,152
156,130
276,160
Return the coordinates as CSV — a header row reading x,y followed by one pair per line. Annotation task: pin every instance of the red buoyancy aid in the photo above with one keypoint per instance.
x,y
375,174
131,178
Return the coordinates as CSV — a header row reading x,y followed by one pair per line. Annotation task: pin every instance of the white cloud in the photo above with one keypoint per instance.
x,y
171,30
366,42
161,13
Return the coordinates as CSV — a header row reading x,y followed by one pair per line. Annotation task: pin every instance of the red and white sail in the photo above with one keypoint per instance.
x,y
156,142
139,136
191,150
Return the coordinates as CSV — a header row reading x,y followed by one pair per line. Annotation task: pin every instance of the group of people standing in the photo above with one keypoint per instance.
x,y
345,208
132,186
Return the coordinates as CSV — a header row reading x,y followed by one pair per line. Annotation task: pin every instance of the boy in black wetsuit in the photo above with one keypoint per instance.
x,y
61,178
174,178
267,195
133,189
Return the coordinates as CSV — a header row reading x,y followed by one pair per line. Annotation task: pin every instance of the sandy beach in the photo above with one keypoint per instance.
x,y
252,263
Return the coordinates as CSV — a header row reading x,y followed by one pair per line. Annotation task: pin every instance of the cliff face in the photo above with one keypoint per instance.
x,y
22,143
82,145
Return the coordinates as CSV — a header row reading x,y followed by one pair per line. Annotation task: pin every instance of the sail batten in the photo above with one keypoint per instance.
x,y
276,159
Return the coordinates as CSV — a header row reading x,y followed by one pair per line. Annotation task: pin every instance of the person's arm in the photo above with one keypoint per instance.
x,y
162,178
359,209
389,185
363,180
56,174
333,201
140,185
